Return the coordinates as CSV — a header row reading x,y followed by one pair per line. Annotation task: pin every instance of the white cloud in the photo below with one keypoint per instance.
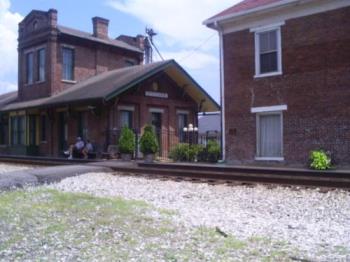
x,y
8,45
6,86
181,34
181,20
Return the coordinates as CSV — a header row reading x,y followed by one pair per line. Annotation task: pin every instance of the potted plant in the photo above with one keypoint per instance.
x,y
126,143
149,144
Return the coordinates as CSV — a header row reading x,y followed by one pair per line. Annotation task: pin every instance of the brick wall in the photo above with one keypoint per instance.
x,y
106,117
315,85
90,58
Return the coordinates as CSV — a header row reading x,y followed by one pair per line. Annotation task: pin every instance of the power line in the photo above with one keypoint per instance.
x,y
197,48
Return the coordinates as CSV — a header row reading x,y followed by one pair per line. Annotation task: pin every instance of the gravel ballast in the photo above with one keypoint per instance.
x,y
315,223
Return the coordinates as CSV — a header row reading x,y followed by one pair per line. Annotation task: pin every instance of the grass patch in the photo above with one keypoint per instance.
x,y
46,225
65,222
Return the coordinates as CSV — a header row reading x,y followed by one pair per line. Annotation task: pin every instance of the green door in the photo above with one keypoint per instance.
x,y
62,132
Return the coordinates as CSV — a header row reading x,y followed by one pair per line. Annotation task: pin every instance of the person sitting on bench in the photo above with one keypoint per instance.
x,y
75,149
88,149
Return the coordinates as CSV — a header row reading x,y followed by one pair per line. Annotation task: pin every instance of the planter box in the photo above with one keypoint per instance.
x,y
149,158
126,157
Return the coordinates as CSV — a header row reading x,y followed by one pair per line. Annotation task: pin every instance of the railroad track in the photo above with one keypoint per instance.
x,y
231,183
212,174
251,175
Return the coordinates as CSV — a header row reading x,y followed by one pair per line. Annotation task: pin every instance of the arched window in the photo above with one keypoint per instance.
x,y
35,25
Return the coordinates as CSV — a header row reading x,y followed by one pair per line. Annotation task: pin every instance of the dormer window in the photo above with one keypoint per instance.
x,y
268,51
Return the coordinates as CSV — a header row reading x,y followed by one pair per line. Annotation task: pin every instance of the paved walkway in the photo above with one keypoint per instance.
x,y
115,164
45,175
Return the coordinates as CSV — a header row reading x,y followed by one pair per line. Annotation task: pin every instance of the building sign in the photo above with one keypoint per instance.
x,y
156,94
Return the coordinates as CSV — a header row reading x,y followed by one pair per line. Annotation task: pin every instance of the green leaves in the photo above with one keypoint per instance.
x,y
186,152
148,141
213,151
319,160
126,141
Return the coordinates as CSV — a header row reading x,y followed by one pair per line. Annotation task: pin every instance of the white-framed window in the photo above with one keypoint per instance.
x,y
29,68
126,118
268,51
67,63
41,65
182,121
269,132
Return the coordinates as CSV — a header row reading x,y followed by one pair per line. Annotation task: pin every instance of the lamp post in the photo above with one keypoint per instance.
x,y
190,132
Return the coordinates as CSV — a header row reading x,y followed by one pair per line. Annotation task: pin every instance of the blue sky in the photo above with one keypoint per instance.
x,y
181,35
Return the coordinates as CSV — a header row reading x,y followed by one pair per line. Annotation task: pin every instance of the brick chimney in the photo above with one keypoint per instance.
x,y
52,17
100,27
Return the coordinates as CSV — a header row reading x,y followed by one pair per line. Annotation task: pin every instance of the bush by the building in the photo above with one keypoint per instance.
x,y
126,142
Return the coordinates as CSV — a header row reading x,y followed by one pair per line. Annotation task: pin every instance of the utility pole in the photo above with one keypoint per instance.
x,y
151,33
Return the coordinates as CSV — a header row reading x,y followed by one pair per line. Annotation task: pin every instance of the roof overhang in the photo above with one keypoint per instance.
x,y
182,79
44,103
272,13
192,88
74,33
212,22
171,68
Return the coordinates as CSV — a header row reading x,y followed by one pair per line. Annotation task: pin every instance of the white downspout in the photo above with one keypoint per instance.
x,y
222,91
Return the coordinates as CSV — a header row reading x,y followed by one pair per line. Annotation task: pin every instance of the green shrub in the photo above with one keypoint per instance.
x,y
180,152
197,152
148,141
186,152
319,160
126,141
213,151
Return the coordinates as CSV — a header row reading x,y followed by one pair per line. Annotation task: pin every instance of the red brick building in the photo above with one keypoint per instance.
x,y
285,80
72,83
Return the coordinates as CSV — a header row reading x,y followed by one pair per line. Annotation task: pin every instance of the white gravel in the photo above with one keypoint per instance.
x,y
5,168
318,224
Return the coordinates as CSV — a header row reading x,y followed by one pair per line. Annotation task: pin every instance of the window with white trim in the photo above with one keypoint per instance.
x,y
126,118
29,68
269,136
67,64
268,52
41,65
